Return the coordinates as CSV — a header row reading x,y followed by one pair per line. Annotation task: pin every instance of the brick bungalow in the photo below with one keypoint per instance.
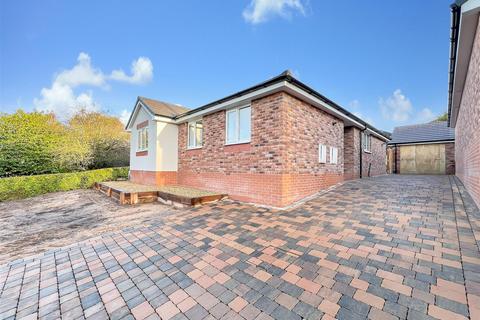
x,y
427,148
464,93
274,143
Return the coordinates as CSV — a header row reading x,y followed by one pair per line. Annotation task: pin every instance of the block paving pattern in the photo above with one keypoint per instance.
x,y
391,247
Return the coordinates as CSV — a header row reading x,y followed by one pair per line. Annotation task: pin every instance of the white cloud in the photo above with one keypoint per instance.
x,y
81,74
61,97
142,72
261,10
397,107
61,100
124,116
355,108
400,109
425,115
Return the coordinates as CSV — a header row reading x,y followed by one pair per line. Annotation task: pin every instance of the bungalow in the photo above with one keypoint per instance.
x,y
274,143
464,92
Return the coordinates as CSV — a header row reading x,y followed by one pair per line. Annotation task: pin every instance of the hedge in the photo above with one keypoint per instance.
x,y
21,187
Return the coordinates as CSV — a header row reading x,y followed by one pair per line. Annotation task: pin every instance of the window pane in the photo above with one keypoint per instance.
x,y
199,134
245,124
232,126
191,135
146,138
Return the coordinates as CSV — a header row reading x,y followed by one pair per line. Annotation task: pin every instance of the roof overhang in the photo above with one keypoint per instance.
x,y
138,106
465,16
291,87
283,83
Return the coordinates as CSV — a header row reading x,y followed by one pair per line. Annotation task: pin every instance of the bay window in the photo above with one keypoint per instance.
x,y
238,125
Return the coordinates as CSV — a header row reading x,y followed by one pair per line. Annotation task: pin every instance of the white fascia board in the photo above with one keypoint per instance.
x,y
289,88
164,119
234,102
466,37
137,108
470,5
376,134
323,105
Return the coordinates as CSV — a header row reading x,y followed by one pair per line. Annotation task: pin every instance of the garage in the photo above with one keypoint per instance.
x,y
427,148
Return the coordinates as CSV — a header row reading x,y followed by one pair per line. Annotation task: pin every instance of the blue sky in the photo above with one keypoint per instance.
x,y
386,61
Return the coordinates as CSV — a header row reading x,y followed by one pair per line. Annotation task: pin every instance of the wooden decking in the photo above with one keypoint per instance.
x,y
126,192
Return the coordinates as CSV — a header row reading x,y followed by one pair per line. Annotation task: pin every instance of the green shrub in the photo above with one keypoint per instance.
x,y
29,186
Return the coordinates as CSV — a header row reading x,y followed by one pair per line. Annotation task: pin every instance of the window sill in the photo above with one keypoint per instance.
x,y
194,148
236,143
366,151
142,153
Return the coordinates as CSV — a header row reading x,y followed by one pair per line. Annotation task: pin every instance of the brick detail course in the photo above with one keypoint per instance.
x,y
153,177
467,133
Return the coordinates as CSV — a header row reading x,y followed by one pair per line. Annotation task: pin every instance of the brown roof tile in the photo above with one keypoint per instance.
x,y
161,108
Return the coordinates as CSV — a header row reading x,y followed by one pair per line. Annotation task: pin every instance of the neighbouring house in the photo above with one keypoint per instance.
x,y
274,143
427,148
464,93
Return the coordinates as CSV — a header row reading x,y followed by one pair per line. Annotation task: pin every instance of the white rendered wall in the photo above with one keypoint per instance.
x,y
148,162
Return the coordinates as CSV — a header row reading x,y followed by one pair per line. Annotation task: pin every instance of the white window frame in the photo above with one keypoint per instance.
x,y
322,153
195,146
333,155
237,126
367,142
142,139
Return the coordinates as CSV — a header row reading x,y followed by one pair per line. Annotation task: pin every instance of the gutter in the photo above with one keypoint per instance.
x,y
361,153
454,29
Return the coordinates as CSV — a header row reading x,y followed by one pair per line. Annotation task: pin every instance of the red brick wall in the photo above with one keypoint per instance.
x,y
352,153
450,158
248,172
376,158
307,127
467,129
159,178
279,166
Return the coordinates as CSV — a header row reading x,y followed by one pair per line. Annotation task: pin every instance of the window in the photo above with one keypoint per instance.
x,y
238,127
195,134
143,139
333,155
322,153
366,142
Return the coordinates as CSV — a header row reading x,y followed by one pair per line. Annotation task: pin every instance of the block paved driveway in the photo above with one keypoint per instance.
x,y
383,248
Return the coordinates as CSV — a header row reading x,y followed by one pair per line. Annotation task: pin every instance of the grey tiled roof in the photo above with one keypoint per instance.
x,y
426,132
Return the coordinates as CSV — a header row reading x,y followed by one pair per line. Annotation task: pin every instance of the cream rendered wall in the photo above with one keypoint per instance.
x,y
167,146
162,145
148,162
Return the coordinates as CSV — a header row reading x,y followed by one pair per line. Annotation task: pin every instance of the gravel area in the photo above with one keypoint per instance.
x,y
34,225
128,186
